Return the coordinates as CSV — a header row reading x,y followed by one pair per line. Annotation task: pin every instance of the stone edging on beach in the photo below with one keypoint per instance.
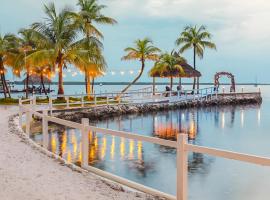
x,y
14,128
107,111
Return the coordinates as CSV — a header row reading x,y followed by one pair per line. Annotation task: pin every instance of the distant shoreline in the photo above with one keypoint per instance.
x,y
141,83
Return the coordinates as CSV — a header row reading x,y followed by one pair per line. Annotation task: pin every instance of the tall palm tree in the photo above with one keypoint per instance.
x,y
90,12
8,45
142,51
57,37
197,38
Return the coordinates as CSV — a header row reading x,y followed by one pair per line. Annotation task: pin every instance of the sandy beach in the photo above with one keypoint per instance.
x,y
28,174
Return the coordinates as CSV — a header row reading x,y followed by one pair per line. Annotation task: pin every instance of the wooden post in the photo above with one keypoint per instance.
x,y
28,122
154,85
50,105
82,101
20,112
34,103
95,100
67,99
45,133
182,168
85,142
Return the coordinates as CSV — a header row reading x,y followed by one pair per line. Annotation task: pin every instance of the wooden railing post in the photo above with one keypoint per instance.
x,y
85,142
20,112
34,103
67,99
95,99
28,122
82,101
182,168
50,105
45,133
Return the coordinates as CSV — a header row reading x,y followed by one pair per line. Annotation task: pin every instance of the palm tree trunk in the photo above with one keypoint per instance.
x,y
194,65
4,84
60,80
88,86
42,83
136,79
93,85
171,84
85,82
27,83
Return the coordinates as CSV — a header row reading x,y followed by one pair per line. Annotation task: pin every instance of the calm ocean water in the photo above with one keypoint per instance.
x,y
237,128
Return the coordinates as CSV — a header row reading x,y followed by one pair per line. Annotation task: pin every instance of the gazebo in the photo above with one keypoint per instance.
x,y
35,79
181,70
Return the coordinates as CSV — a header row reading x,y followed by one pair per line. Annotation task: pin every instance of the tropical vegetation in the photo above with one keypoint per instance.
x,y
72,38
168,66
196,38
143,50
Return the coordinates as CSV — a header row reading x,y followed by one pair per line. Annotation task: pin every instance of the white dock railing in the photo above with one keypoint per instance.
x,y
140,96
182,146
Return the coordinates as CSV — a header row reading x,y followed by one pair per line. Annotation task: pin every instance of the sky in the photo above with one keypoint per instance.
x,y
240,29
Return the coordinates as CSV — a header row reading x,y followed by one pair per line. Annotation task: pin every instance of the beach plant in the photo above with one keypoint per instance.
x,y
90,14
143,50
8,46
196,38
59,44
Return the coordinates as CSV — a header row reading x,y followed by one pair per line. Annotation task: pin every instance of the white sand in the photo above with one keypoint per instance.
x,y
27,174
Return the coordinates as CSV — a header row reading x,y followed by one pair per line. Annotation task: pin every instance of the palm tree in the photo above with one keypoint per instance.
x,y
27,45
8,45
196,38
90,12
168,66
58,45
142,51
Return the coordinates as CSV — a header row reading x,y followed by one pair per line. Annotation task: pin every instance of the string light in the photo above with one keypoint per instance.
x,y
122,72
131,72
57,70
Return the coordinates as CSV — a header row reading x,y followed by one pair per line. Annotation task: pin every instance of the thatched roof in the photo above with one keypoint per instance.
x,y
182,70
35,79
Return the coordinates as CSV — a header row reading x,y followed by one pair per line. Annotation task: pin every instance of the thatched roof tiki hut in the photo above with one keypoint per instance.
x,y
180,70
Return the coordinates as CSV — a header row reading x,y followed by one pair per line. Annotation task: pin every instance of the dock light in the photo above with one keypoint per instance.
x,y
131,72
139,71
122,73
113,73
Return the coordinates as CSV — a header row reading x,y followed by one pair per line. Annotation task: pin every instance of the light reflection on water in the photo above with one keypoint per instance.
x,y
241,128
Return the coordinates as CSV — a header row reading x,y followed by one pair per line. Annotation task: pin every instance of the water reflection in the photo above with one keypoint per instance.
x,y
141,162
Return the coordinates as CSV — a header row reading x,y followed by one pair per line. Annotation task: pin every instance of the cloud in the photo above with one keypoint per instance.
x,y
232,20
